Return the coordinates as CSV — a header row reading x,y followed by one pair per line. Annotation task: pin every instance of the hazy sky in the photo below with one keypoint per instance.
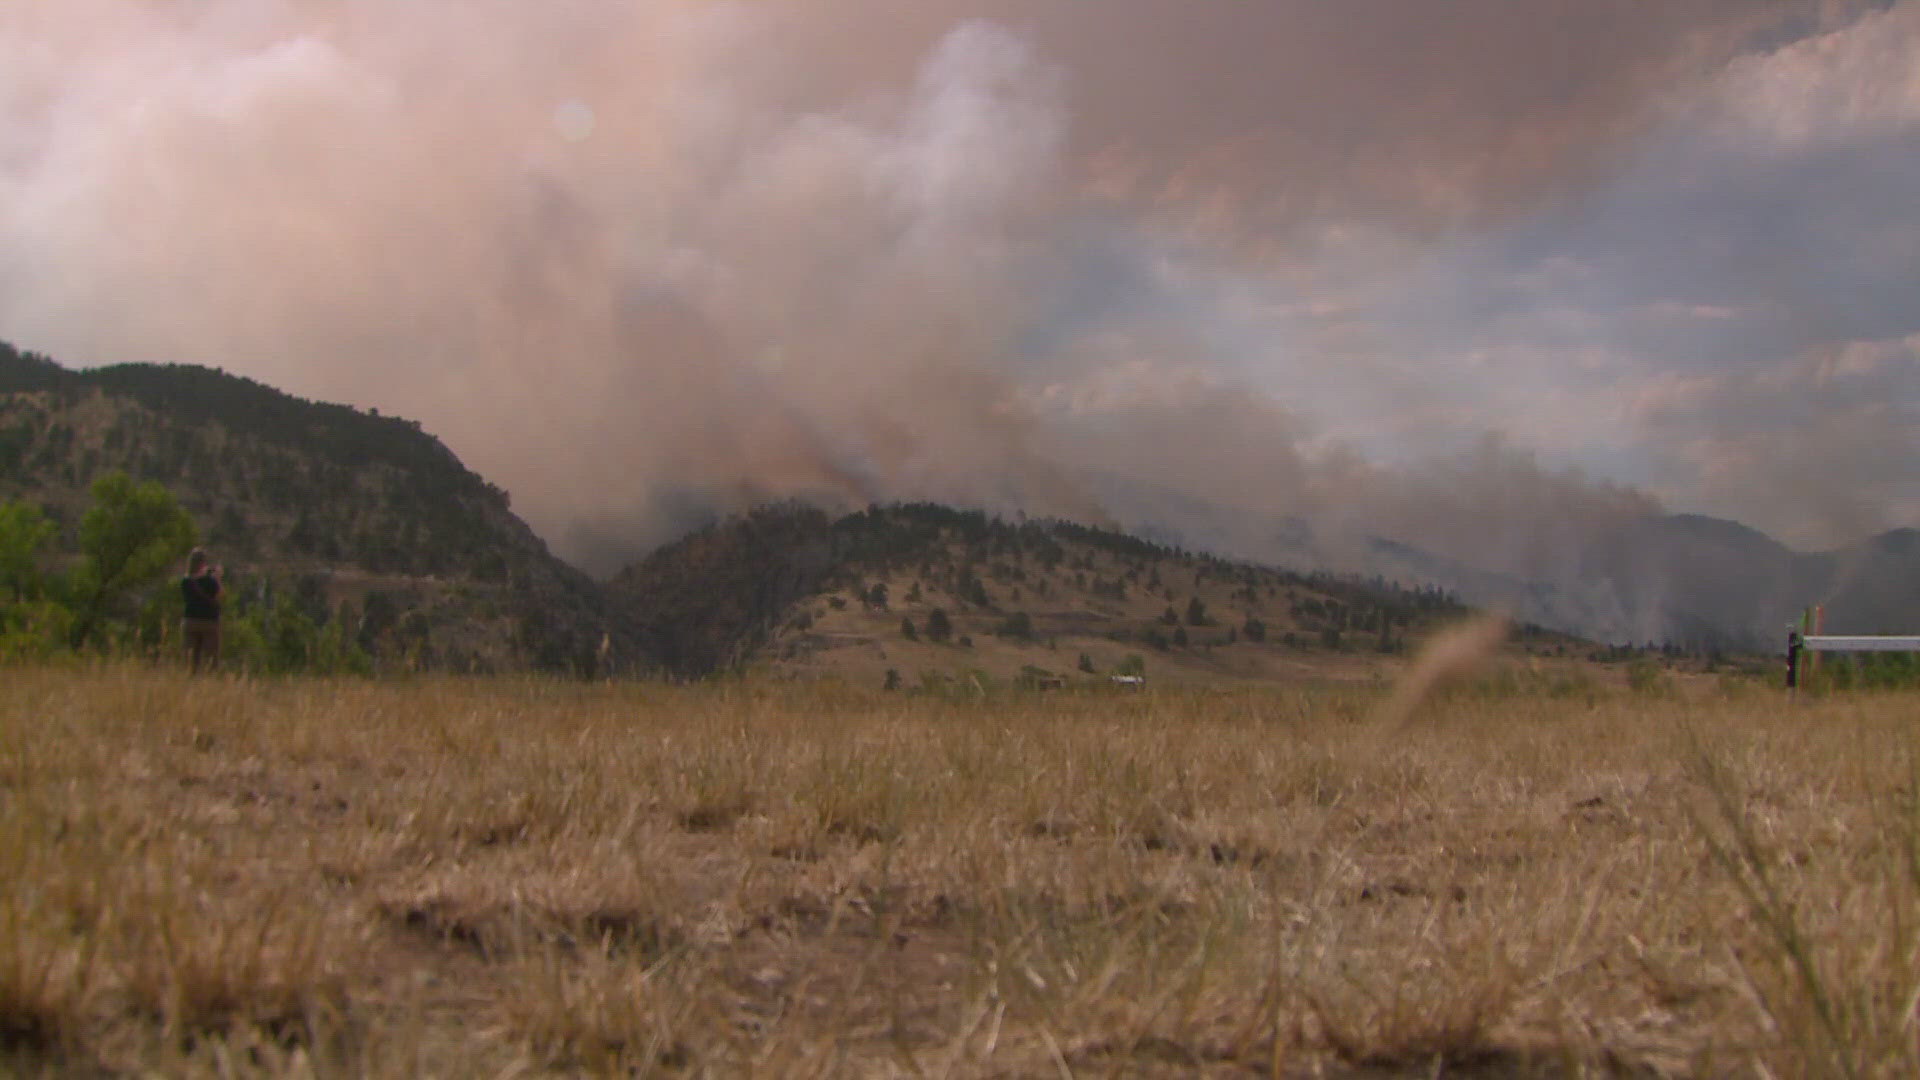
x,y
1475,272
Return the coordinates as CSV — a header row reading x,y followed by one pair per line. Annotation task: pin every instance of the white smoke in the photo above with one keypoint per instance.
x,y
640,263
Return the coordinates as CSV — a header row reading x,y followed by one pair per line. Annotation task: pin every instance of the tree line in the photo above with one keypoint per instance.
x,y
105,602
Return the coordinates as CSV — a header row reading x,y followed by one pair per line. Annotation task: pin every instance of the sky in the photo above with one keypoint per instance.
x,y
1481,275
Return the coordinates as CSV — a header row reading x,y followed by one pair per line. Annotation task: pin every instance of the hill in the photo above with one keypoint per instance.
x,y
933,593
365,517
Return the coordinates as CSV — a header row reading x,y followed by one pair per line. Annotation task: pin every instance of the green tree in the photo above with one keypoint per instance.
x,y
1197,613
906,628
32,626
24,531
939,627
1086,664
130,537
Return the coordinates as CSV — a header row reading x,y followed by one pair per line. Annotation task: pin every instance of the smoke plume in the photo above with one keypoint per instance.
x,y
1182,267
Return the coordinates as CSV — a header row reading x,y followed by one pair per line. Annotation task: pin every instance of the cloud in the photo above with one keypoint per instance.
x,y
1676,323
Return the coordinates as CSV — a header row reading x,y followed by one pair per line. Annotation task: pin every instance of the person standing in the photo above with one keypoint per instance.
x,y
201,627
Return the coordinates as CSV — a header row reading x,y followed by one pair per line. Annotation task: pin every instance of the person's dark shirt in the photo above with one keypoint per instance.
x,y
202,593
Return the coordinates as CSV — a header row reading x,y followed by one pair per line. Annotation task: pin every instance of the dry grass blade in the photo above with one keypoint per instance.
x,y
510,876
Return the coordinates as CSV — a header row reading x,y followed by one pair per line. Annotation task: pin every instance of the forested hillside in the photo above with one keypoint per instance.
x,y
930,593
360,516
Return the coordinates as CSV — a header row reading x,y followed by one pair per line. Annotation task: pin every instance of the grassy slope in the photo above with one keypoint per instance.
x,y
841,636
500,877
860,643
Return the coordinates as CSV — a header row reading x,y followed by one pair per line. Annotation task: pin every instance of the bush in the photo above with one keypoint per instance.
x,y
33,629
1647,677
278,638
1864,671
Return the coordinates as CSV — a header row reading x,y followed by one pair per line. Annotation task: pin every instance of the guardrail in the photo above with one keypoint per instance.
x,y
1858,643
1815,644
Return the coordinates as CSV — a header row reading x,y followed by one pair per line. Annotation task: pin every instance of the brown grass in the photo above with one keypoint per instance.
x,y
510,877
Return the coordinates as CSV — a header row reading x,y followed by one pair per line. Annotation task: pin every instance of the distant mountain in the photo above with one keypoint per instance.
x,y
1683,579
364,514
1701,582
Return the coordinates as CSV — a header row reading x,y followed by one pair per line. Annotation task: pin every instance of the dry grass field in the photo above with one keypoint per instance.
x,y
441,877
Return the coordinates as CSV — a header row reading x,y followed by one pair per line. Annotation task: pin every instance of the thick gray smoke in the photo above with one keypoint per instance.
x,y
1176,266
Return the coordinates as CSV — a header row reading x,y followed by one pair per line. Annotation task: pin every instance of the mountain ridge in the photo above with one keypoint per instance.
x,y
377,504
